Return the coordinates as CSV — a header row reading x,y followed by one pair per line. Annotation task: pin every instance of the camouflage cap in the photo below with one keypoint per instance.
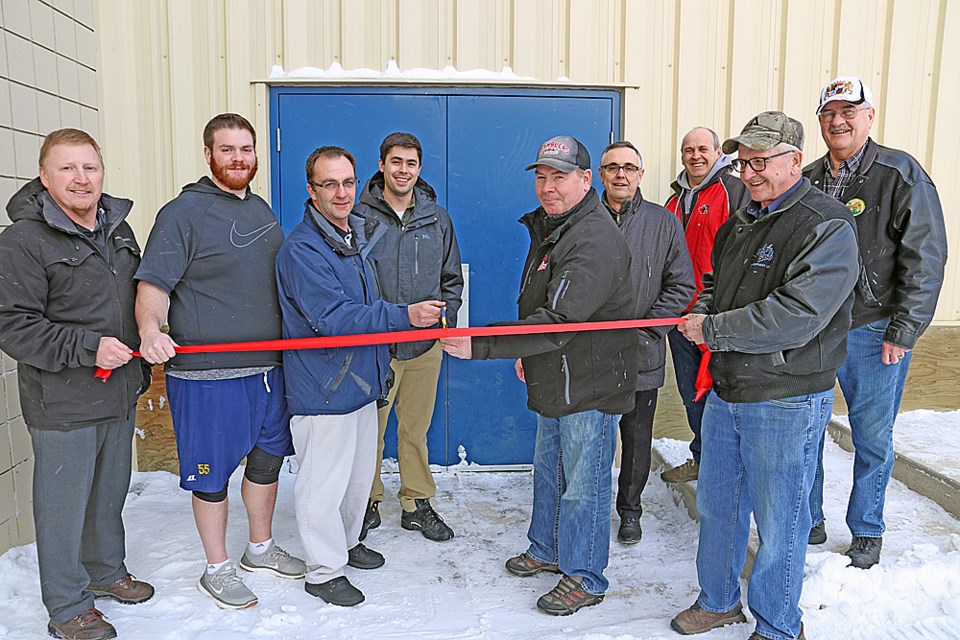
x,y
765,131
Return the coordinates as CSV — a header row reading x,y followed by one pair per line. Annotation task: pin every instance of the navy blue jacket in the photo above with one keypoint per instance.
x,y
329,288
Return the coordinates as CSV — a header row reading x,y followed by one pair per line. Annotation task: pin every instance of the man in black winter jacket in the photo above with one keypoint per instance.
x,y
663,276
66,308
577,270
903,248
418,259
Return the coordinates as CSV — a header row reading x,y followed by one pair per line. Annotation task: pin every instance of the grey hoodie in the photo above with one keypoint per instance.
x,y
215,254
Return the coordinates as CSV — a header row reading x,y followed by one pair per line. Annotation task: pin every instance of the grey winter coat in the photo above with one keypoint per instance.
x,y
59,294
662,274
418,259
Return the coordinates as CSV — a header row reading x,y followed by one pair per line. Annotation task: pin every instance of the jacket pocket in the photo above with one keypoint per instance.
x,y
865,290
335,382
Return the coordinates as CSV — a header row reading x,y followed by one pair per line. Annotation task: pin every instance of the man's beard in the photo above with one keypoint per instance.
x,y
234,183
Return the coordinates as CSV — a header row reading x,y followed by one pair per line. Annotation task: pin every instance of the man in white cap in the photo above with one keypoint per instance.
x,y
903,249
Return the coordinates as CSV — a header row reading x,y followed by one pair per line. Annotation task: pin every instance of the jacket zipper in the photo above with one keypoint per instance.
x,y
566,377
416,254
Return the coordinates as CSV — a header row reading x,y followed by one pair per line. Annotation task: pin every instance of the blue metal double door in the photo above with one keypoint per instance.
x,y
476,143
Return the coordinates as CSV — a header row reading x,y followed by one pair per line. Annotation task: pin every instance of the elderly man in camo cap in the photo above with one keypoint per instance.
x,y
775,313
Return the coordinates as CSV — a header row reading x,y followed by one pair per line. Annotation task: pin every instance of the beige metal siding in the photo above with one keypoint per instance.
x,y
48,80
168,65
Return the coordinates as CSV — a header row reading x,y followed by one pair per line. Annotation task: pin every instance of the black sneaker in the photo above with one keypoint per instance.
x,y
362,558
818,534
338,591
629,531
371,519
864,552
427,521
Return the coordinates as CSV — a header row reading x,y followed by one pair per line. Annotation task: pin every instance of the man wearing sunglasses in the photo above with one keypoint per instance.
x,y
903,248
663,277
774,312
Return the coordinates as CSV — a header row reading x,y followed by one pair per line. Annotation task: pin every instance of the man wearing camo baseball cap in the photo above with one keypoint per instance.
x,y
903,246
774,313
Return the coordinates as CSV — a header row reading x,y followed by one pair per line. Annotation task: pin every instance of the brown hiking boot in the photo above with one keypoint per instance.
x,y
686,472
89,625
126,590
567,598
697,620
525,565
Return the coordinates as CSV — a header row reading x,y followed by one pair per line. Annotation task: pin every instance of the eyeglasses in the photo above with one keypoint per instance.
x,y
847,113
612,169
333,185
757,164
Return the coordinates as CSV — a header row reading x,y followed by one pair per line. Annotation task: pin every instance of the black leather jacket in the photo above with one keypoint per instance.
x,y
903,241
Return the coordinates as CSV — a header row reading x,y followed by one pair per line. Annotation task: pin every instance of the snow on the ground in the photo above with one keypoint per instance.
x,y
928,437
460,590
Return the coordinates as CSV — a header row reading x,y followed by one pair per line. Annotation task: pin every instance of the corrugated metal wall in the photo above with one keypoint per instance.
x,y
168,65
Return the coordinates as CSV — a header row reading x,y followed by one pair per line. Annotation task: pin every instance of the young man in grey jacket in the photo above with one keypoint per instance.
x,y
663,278
418,259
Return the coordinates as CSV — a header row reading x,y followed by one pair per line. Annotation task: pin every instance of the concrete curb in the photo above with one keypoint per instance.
x,y
916,475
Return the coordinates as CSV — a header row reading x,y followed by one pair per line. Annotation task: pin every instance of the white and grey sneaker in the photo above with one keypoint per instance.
x,y
226,588
276,561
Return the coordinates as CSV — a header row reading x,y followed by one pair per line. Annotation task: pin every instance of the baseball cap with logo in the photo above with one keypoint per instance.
x,y
765,131
846,88
562,153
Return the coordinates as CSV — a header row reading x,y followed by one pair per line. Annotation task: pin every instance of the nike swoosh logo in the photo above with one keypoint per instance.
x,y
241,240
216,590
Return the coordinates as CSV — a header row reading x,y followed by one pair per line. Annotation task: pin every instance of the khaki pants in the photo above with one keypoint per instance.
x,y
414,392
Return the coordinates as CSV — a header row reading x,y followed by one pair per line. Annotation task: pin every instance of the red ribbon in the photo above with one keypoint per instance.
x,y
704,380
415,335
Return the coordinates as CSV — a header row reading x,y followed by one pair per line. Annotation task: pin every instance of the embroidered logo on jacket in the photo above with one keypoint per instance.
x,y
704,209
543,265
763,257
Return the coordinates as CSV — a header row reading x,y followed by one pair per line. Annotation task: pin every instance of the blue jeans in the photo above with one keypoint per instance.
x,y
758,457
572,488
686,362
873,391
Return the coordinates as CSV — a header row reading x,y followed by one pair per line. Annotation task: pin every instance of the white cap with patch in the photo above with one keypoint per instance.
x,y
846,89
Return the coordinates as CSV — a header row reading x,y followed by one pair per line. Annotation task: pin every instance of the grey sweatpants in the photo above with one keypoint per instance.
x,y
80,481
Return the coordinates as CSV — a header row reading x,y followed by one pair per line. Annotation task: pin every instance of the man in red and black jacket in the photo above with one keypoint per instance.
x,y
705,194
